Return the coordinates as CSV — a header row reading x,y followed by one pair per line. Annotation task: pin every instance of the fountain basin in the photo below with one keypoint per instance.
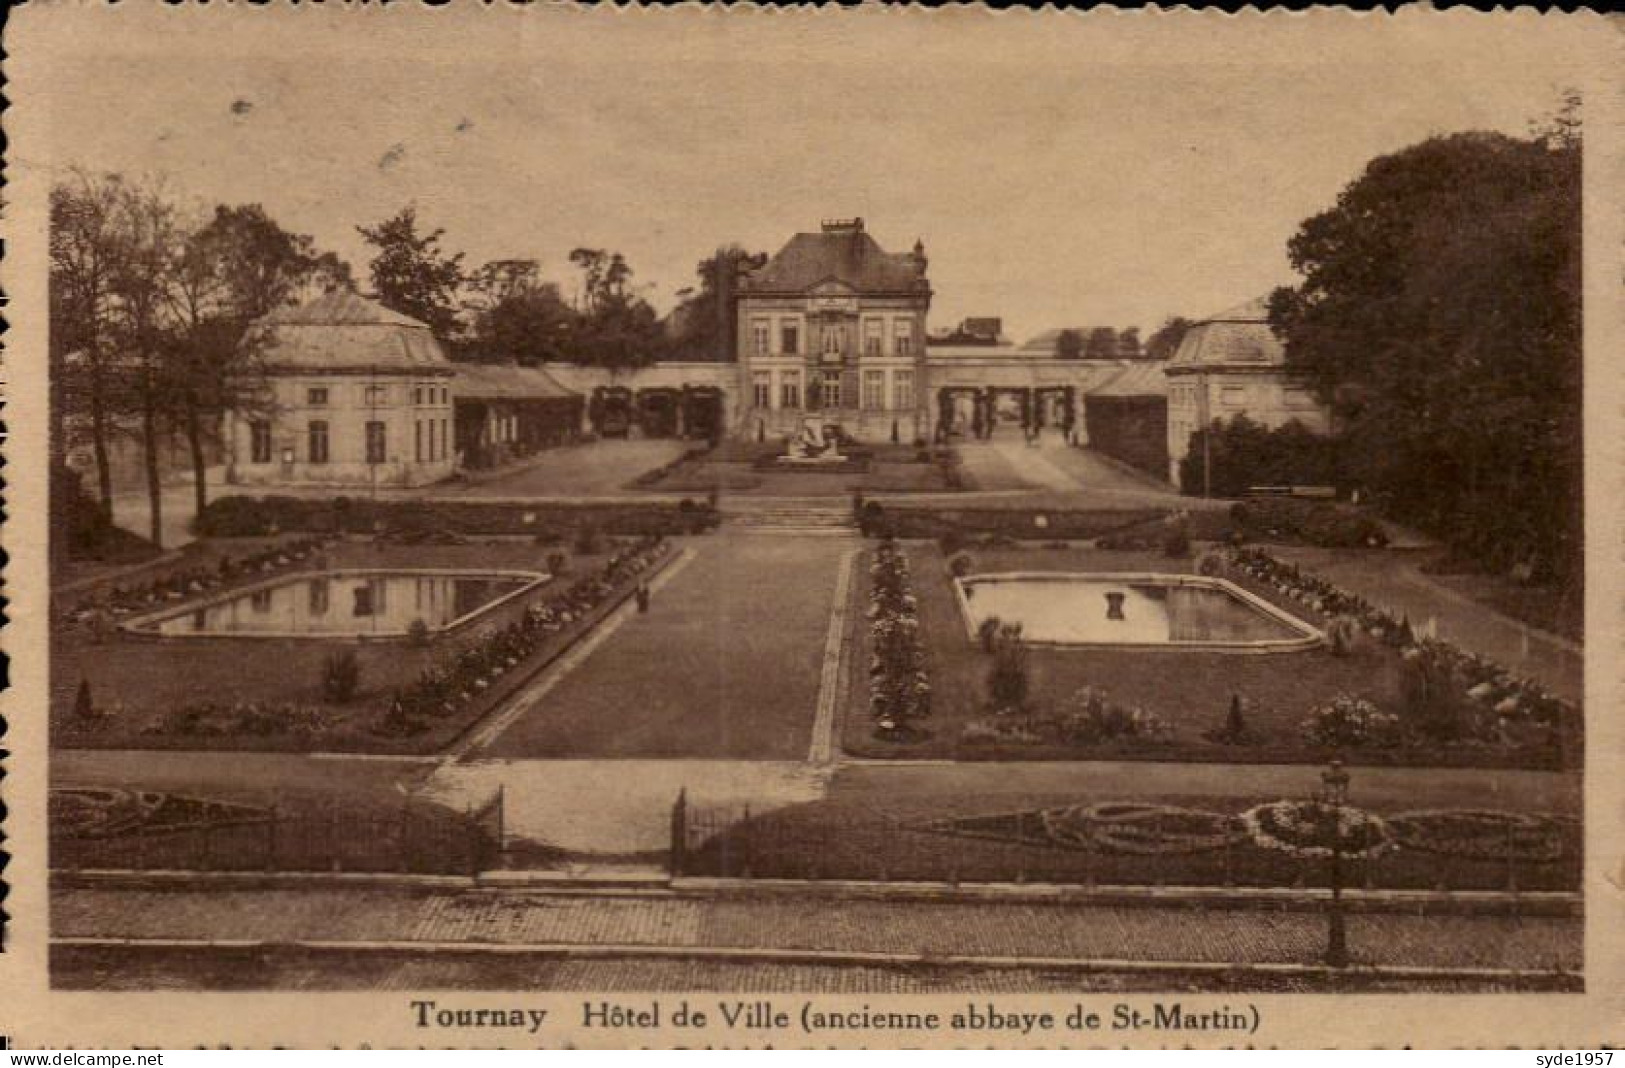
x,y
1149,611
341,604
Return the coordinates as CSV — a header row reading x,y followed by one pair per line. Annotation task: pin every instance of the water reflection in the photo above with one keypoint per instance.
x,y
368,603
1102,611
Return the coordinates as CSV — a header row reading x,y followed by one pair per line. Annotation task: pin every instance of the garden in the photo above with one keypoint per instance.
x,y
1162,841
1375,693
111,689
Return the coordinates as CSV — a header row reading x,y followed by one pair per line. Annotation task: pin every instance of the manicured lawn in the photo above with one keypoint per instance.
x,y
138,681
1191,691
971,838
726,663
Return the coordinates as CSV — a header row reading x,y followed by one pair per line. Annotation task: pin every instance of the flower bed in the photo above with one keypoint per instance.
x,y
90,812
1169,841
99,610
448,687
899,689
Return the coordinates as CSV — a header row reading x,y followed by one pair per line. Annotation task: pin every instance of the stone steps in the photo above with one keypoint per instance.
x,y
793,519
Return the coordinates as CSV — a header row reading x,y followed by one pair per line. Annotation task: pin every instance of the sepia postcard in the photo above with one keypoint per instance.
x,y
536,526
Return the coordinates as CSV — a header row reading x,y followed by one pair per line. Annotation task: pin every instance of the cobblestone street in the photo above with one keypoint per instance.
x,y
925,930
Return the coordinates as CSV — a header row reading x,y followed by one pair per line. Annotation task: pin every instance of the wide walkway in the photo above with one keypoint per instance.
x,y
726,664
917,929
593,469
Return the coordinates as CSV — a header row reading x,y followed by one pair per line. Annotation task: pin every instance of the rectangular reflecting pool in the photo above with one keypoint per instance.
x,y
342,604
1142,611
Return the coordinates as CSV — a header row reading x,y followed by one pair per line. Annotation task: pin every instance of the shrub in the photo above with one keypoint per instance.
x,y
1176,542
1234,731
556,563
1342,636
341,676
988,633
1210,564
1351,722
417,632
1432,697
873,521
1315,522
83,707
961,565
588,541
1092,717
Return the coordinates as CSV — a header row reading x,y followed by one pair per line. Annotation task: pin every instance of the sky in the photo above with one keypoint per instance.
x,y
1060,169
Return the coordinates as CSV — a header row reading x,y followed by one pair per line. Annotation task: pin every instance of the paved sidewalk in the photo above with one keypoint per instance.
x,y
914,929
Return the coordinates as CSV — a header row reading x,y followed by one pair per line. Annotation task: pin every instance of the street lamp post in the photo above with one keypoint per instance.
x,y
1331,797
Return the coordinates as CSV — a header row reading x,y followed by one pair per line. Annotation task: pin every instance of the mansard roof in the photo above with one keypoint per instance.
x,y
1239,335
842,253
345,332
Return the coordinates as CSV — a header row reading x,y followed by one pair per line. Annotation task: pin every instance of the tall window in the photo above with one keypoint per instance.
x,y
829,390
445,440
903,390
873,329
832,339
375,442
902,332
761,335
316,397
417,441
318,441
259,442
761,388
790,337
790,389
874,390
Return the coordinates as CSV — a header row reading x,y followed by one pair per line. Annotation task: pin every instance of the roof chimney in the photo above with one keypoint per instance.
x,y
843,226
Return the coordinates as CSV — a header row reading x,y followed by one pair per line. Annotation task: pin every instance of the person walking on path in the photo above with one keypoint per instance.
x,y
643,598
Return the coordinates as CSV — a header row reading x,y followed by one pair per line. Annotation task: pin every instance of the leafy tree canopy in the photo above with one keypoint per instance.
x,y
411,274
1440,317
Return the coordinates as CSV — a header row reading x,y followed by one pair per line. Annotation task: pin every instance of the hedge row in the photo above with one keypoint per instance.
x,y
1020,524
235,517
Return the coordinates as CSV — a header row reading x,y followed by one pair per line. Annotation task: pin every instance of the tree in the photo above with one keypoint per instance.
x,y
516,316
145,240
1102,344
84,386
1128,343
617,328
1164,342
411,274
1440,317
1069,344
260,265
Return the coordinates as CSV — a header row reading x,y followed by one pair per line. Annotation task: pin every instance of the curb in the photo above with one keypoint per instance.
x,y
858,958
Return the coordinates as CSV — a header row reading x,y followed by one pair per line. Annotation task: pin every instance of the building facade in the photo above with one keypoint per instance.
x,y
356,396
1233,364
834,325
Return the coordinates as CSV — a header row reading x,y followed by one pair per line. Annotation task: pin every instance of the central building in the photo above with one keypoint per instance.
x,y
834,326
